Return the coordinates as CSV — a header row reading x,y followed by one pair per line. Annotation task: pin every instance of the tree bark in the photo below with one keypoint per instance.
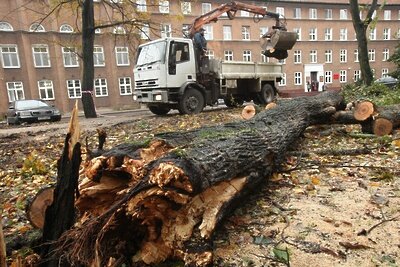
x,y
163,200
88,36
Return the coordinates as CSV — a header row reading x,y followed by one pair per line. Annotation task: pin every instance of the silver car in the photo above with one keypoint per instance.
x,y
31,111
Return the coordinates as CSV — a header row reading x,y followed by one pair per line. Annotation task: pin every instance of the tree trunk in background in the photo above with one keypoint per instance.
x,y
361,27
88,35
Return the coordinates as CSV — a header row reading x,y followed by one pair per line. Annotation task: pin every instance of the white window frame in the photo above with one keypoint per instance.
x,y
357,75
70,58
100,87
298,78
312,13
297,57
328,76
74,89
141,6
312,34
298,31
356,55
387,15
144,32
166,30
12,56
41,56
282,82
371,55
36,27
385,72
186,7
66,28
386,54
297,13
244,13
328,14
6,27
205,8
15,91
247,55
119,30
313,56
209,32
246,33
343,14
328,56
343,76
122,56
343,55
343,34
328,34
98,56
125,85
227,32
163,6
386,34
46,89
263,30
228,55
280,11
372,34
210,54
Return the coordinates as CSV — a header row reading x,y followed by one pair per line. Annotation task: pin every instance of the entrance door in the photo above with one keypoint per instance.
x,y
314,80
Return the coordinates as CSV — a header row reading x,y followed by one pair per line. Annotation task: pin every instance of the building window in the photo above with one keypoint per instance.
x,y
247,55
356,59
141,5
122,56
328,56
328,76
210,54
343,35
70,58
328,34
46,90
357,76
264,58
185,30
263,30
41,57
282,82
297,78
385,72
298,31
282,61
386,34
244,13
208,34
297,56
98,56
328,13
9,56
15,91
245,32
343,14
66,28
205,8
100,87
144,32
280,11
36,27
74,88
371,54
387,15
313,13
164,6
186,7
228,55
343,76
5,26
297,13
227,32
372,34
313,56
125,86
119,30
166,30
313,34
385,54
343,55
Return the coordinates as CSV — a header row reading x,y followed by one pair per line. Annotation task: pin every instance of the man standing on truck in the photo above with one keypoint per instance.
x,y
200,44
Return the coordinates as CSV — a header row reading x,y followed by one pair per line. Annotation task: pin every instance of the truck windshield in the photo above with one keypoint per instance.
x,y
151,53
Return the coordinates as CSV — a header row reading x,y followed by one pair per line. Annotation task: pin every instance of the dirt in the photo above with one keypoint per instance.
x,y
316,211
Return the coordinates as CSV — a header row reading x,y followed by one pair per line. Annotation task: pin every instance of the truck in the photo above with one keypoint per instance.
x,y
169,75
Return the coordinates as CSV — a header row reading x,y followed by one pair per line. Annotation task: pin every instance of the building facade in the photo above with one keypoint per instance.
x,y
40,58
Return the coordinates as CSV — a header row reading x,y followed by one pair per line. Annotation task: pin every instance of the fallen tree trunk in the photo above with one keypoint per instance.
x,y
163,200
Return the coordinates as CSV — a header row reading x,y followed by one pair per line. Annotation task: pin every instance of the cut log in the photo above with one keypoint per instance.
x,y
248,112
36,208
169,196
363,110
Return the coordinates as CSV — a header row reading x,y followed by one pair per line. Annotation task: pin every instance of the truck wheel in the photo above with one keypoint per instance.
x,y
267,94
233,102
192,102
159,110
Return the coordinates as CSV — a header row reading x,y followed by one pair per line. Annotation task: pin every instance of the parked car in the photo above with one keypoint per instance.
x,y
31,111
388,81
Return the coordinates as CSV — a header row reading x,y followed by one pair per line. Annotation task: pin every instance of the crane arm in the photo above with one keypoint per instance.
x,y
231,9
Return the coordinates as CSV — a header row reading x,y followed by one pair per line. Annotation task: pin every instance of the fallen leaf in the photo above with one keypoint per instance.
x,y
356,245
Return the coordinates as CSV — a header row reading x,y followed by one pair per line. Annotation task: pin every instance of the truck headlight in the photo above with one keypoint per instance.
x,y
134,97
158,97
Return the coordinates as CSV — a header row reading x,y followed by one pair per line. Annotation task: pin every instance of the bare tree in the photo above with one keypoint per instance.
x,y
360,27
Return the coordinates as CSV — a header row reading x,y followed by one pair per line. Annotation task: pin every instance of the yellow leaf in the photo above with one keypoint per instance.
x,y
376,184
396,142
276,177
315,180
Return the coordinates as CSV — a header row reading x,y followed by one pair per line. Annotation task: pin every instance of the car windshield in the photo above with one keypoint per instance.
x,y
26,104
151,53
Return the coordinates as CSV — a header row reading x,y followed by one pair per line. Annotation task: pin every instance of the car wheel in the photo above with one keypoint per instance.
x,y
192,102
159,110
266,95
233,102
